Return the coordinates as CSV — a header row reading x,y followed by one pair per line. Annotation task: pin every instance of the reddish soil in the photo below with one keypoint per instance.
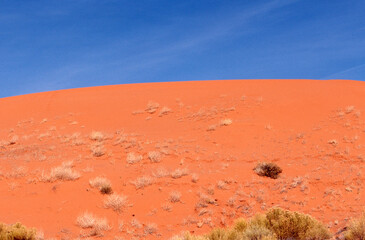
x,y
214,132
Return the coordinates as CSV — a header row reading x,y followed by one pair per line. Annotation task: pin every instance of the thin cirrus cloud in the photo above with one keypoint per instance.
x,y
155,54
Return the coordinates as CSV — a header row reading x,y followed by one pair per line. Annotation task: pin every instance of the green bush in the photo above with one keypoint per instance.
x,y
16,232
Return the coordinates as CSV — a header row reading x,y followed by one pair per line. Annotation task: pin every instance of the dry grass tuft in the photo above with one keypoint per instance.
x,y
17,232
17,172
178,173
133,158
14,139
116,202
160,172
270,170
135,223
226,122
142,182
97,150
63,173
164,111
212,127
356,229
102,184
194,178
175,197
97,136
88,220
152,107
154,156
150,228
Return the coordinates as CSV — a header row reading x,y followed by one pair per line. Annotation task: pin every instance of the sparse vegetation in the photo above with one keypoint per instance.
x,y
154,156
356,229
150,228
97,150
16,231
63,172
175,197
102,184
116,202
14,139
178,173
97,136
194,177
152,107
276,224
164,111
133,158
271,170
226,122
142,182
88,220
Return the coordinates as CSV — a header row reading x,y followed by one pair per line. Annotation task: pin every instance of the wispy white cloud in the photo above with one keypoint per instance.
x,y
348,72
146,53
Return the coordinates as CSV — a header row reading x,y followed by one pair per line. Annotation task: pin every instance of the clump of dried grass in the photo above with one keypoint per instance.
x,y
180,172
154,156
133,158
102,184
164,111
150,228
97,150
152,107
97,225
161,172
63,173
97,136
116,202
142,182
175,197
226,122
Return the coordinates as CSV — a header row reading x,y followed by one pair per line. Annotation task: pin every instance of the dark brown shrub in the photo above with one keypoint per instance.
x,y
270,170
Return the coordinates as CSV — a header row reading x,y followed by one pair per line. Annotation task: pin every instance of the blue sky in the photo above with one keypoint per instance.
x,y
58,44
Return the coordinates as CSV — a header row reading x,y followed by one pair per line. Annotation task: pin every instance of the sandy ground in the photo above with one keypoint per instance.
x,y
194,143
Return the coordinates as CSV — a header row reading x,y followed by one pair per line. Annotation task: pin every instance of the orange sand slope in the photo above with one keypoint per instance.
x,y
180,155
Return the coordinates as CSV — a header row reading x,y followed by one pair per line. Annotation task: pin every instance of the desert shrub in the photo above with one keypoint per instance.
x,y
102,184
356,229
63,173
97,136
286,224
116,202
133,158
222,234
97,150
240,225
270,170
276,224
88,220
16,232
258,232
142,182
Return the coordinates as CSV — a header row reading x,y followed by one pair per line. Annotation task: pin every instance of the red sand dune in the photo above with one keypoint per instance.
x,y
208,135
